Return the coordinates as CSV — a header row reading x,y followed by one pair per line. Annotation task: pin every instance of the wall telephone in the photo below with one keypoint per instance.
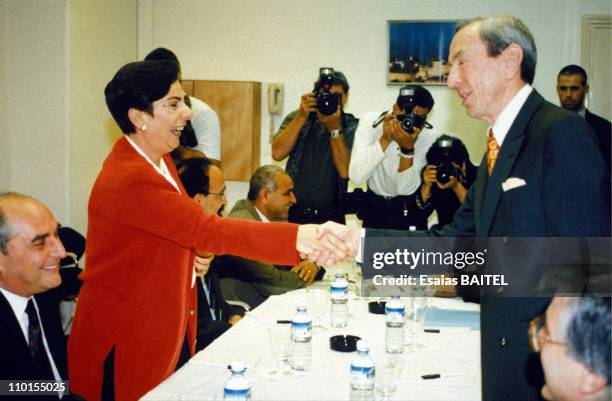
x,y
275,99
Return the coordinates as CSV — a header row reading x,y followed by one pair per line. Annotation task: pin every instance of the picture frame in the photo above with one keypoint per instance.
x,y
418,51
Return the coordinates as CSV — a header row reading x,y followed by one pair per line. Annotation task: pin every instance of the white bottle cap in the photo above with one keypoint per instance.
x,y
363,345
237,366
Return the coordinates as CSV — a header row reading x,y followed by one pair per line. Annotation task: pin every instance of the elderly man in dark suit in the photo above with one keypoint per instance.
x,y
542,176
32,343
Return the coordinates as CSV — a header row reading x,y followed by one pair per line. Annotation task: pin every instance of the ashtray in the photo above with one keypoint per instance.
x,y
377,307
344,343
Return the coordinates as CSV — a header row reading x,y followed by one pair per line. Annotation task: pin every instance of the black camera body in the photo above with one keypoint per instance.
x,y
410,121
407,102
327,102
445,169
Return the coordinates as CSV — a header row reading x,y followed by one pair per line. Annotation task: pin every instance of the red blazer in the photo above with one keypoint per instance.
x,y
137,294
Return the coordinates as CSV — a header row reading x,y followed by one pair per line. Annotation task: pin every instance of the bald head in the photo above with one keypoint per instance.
x,y
30,249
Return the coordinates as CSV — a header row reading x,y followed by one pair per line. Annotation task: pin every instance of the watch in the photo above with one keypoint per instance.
x,y
335,133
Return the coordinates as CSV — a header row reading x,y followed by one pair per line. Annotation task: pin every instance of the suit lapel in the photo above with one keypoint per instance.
x,y
480,187
506,159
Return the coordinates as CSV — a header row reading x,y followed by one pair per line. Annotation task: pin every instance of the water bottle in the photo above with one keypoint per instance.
x,y
362,374
237,387
394,335
339,301
301,334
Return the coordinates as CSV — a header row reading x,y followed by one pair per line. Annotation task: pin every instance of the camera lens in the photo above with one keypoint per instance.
x,y
445,171
327,103
409,122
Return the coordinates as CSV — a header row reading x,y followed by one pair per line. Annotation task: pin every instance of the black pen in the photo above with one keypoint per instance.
x,y
431,331
431,376
283,321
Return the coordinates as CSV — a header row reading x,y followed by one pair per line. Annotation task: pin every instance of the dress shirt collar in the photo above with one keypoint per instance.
x,y
261,215
18,305
161,169
508,115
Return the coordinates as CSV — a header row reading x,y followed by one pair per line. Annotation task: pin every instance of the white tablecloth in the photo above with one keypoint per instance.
x,y
454,353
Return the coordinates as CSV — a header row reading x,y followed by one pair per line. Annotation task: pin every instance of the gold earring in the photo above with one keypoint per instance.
x,y
144,127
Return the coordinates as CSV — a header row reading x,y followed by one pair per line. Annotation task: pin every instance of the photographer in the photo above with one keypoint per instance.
x,y
317,138
389,153
446,179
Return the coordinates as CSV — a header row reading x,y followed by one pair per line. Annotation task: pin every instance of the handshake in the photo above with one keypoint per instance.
x,y
328,243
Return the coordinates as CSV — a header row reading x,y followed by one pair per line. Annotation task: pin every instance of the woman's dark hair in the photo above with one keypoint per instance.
x,y
194,175
137,85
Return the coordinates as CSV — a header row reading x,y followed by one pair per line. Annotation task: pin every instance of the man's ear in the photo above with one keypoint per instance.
x,y
586,88
263,195
591,382
137,118
200,198
513,57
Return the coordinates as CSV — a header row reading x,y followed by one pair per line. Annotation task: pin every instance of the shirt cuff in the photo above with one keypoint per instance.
x,y
359,257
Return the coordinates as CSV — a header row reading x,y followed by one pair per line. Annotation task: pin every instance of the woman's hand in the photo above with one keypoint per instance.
x,y
201,263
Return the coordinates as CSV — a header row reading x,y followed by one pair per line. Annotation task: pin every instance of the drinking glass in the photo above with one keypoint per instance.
x,y
416,314
280,346
317,303
387,374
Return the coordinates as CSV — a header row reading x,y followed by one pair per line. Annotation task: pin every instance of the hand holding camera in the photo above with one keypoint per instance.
x,y
308,104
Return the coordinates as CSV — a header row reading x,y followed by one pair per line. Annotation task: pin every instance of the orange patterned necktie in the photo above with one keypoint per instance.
x,y
492,151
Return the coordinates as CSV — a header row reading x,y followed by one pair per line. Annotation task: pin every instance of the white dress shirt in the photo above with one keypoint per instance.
x,y
508,115
369,162
18,305
207,128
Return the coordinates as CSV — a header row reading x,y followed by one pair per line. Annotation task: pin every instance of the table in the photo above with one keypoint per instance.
x,y
454,353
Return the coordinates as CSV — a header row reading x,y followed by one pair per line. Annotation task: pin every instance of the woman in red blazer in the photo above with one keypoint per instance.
x,y
136,309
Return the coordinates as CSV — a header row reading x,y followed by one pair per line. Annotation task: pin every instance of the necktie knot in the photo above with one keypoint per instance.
x,y
492,151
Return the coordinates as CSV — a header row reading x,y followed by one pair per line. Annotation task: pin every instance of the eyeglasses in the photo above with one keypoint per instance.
x,y
221,194
537,338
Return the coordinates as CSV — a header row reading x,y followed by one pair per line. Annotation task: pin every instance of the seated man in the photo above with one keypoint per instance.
x,y
269,199
448,175
573,339
32,343
205,183
389,155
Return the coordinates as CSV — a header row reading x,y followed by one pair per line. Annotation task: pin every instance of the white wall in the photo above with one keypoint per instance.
x,y
57,56
102,38
35,109
286,41
4,150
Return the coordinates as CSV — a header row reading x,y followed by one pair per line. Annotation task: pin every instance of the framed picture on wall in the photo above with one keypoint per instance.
x,y
418,52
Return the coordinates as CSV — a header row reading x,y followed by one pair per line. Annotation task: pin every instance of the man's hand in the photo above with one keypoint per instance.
x,y
201,263
350,237
308,104
324,250
332,121
306,270
405,139
233,319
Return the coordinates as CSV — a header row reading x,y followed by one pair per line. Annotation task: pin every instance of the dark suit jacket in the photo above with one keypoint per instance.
x,y
208,328
603,129
15,360
253,281
566,195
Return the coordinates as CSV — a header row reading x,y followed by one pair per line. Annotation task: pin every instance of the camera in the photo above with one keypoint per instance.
x,y
445,169
407,101
327,102
410,121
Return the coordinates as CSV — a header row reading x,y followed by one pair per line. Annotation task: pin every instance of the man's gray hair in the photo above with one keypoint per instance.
x,y
587,333
262,178
5,229
499,32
